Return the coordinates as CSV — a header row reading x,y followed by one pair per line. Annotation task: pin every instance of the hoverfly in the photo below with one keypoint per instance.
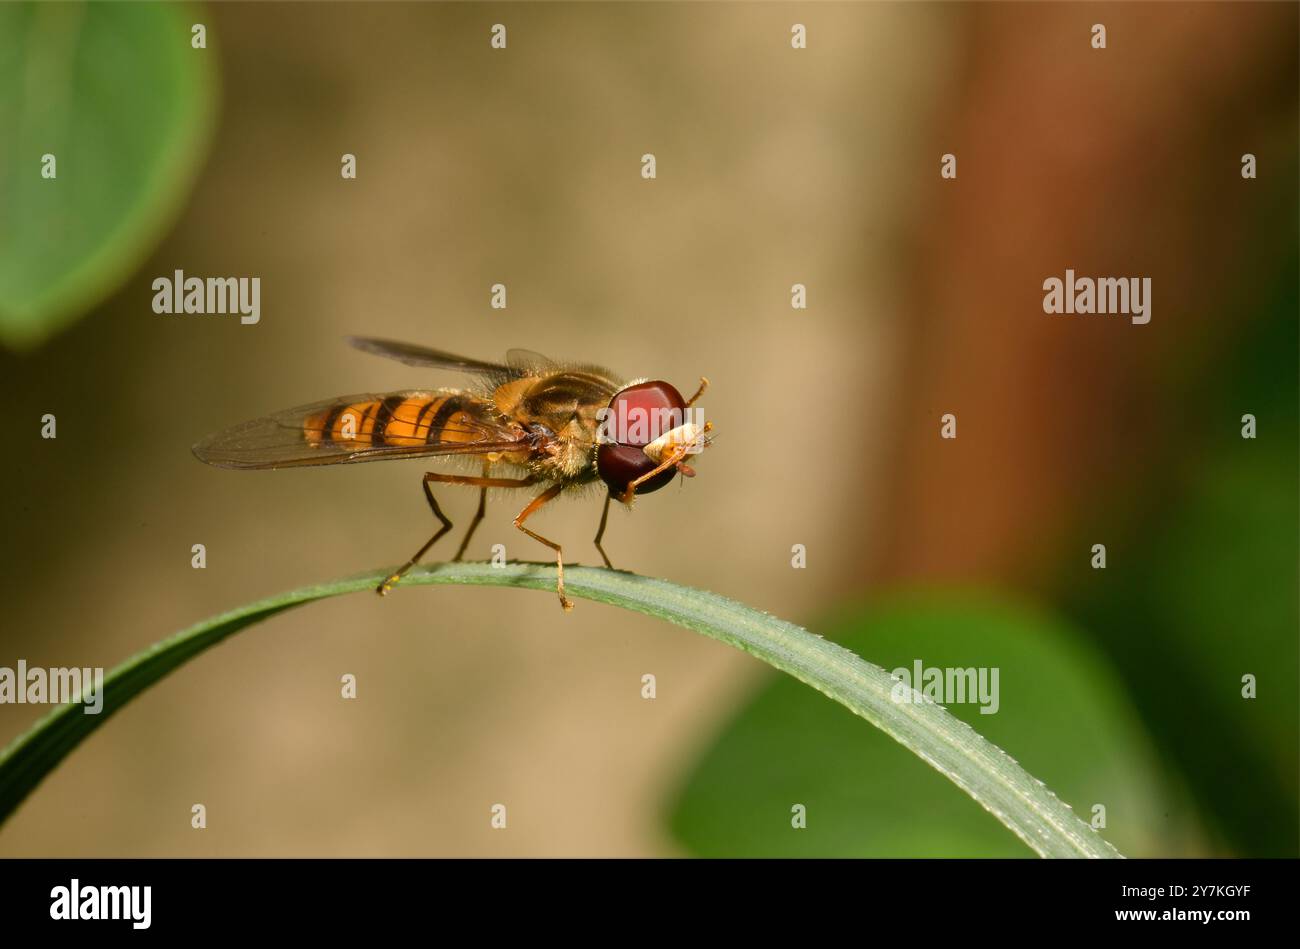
x,y
545,423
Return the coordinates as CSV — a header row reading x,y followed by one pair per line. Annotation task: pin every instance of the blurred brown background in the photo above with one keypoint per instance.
x,y
522,167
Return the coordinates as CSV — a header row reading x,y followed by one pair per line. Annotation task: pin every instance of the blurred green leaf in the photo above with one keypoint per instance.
x,y
1062,715
117,95
1210,590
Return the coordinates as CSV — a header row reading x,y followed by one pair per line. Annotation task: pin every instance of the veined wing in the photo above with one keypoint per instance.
x,y
519,363
358,428
413,355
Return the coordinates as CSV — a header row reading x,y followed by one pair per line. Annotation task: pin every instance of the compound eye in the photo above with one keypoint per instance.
x,y
620,465
645,411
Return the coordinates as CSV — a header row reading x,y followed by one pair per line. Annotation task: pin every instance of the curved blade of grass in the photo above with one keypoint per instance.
x,y
975,765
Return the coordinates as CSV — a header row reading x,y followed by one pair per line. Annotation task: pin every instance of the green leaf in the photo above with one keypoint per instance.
x,y
1060,713
1208,586
117,95
984,772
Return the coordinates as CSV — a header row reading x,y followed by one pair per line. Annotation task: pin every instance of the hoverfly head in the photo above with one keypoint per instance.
x,y
646,435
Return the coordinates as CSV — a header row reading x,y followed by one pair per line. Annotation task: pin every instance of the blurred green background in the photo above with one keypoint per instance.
x,y
1119,687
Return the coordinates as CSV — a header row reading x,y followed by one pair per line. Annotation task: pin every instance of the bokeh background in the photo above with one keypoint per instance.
x,y
1120,687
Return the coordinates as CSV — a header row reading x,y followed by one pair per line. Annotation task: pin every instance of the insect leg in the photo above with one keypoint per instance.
x,y
677,455
396,575
429,476
478,516
548,495
604,516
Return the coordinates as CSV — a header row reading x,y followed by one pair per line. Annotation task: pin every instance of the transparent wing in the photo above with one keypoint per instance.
x,y
370,427
525,362
519,363
413,355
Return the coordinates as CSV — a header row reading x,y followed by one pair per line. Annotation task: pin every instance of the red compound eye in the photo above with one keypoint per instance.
x,y
620,465
641,412
638,415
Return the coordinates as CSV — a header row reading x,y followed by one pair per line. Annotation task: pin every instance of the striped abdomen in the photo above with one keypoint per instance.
x,y
403,419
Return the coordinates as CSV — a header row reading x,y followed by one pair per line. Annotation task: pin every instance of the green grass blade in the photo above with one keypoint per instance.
x,y
985,772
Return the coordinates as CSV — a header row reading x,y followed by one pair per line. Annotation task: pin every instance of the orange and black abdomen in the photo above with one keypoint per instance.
x,y
402,419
